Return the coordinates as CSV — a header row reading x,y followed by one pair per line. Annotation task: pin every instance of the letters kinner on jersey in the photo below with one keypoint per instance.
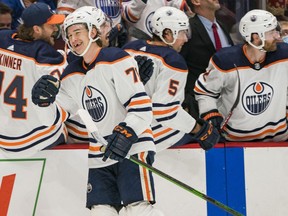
x,y
10,62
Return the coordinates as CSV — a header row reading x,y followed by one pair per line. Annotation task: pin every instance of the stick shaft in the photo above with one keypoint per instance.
x,y
225,122
185,186
91,127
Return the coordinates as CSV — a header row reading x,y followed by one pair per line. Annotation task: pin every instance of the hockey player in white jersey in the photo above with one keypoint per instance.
x,y
105,82
171,125
253,79
112,8
138,13
26,55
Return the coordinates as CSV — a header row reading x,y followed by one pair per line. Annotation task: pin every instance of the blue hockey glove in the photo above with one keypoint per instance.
x,y
122,37
120,33
214,117
207,136
146,67
45,90
120,142
216,120
115,31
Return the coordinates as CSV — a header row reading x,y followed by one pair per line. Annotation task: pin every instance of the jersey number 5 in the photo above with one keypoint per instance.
x,y
13,95
173,87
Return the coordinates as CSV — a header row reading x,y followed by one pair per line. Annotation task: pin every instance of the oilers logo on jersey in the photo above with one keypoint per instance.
x,y
111,8
95,103
257,97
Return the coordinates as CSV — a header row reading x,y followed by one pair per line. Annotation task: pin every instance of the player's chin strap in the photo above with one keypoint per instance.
x,y
260,47
169,44
93,130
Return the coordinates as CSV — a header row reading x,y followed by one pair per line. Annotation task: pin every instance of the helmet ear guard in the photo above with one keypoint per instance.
x,y
257,21
169,18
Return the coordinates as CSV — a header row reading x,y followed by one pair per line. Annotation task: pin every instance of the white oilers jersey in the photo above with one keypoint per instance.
x,y
77,132
138,14
261,114
76,129
26,128
166,89
111,91
110,7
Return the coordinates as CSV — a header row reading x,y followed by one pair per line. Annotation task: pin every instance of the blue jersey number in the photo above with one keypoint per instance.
x,y
13,95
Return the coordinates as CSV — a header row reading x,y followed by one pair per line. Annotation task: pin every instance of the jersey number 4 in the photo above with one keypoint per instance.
x,y
13,95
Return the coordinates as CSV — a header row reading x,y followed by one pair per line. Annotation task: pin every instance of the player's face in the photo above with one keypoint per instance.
x,y
5,21
48,33
78,37
271,39
181,39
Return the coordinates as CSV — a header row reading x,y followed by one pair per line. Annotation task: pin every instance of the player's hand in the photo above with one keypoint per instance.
x,y
115,31
214,117
216,120
120,142
122,37
45,90
207,136
120,33
146,68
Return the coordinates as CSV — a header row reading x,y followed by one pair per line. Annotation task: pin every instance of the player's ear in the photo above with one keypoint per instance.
x,y
37,32
93,33
255,38
36,29
195,2
167,35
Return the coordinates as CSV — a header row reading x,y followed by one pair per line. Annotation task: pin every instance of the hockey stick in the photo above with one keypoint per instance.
x,y
235,103
93,130
138,33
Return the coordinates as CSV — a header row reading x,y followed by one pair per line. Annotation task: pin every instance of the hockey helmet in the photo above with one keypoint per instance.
x,y
257,21
169,18
89,15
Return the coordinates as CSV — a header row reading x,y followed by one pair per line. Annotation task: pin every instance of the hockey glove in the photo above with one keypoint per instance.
x,y
207,136
45,90
216,120
113,34
120,142
122,37
146,67
214,117
118,32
